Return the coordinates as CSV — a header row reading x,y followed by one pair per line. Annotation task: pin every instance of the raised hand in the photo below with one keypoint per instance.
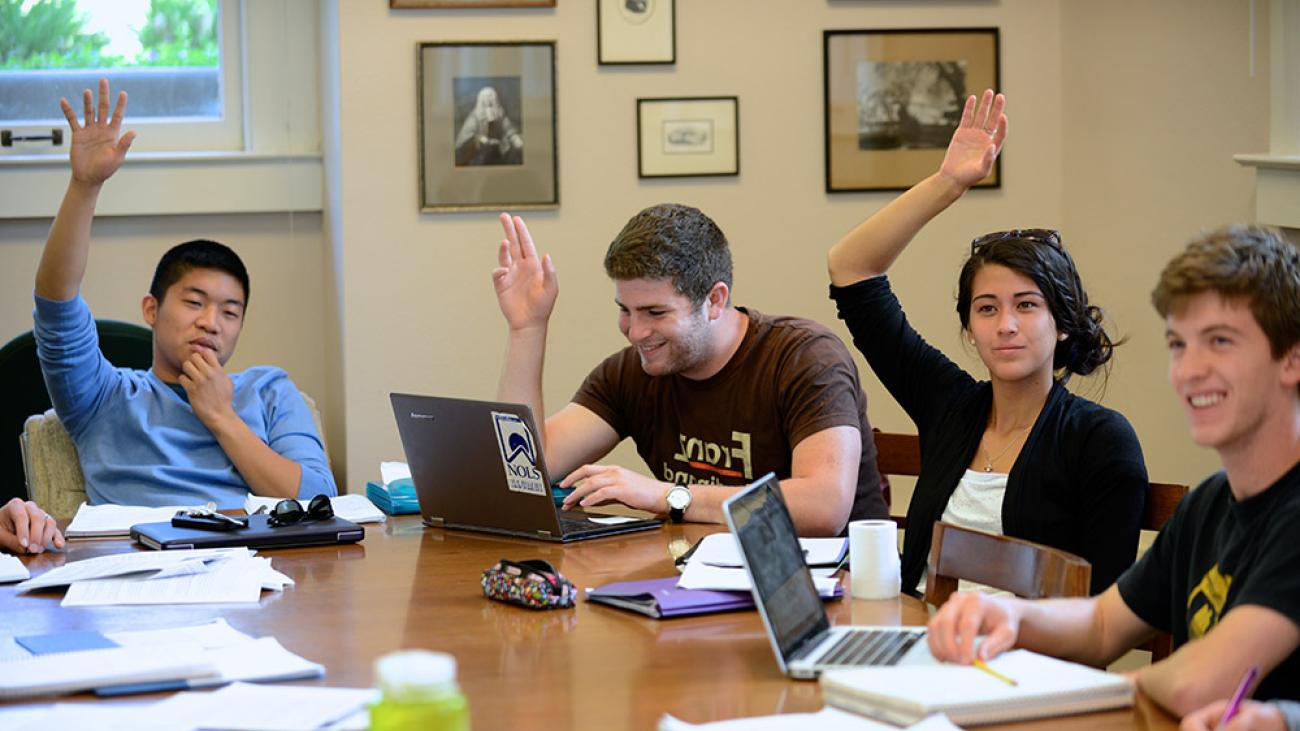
x,y
97,150
526,285
977,141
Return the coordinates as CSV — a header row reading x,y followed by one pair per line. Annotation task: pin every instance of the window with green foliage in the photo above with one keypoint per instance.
x,y
166,54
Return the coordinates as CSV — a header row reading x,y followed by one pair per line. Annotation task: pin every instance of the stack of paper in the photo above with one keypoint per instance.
x,y
827,719
395,492
147,661
355,508
1045,686
236,707
716,564
164,577
111,521
11,569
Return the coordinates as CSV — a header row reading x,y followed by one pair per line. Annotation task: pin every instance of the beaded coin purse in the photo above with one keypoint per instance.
x,y
533,584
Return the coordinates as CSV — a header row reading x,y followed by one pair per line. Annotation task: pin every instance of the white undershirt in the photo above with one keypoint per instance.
x,y
975,504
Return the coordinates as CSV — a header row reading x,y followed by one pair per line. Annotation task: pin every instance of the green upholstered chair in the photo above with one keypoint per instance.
x,y
124,344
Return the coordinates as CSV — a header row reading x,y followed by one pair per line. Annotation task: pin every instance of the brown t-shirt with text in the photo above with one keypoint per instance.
x,y
790,379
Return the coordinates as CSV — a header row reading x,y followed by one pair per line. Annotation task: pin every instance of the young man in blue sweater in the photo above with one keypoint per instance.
x,y
185,431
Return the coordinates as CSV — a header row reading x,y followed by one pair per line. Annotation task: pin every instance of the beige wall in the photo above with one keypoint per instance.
x,y
282,252
1123,119
1160,98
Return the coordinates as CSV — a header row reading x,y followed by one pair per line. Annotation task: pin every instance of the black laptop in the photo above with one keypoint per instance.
x,y
165,536
477,466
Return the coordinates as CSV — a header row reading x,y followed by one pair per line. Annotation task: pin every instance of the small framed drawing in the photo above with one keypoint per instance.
x,y
687,137
487,125
893,99
471,3
636,31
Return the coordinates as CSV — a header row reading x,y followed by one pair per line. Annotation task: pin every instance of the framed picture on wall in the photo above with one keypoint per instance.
x,y
471,3
687,137
636,31
487,125
893,98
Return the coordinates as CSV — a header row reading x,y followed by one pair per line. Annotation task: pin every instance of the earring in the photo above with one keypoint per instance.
x,y
1061,337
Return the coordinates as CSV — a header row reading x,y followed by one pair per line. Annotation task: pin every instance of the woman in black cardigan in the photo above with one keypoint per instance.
x,y
1016,454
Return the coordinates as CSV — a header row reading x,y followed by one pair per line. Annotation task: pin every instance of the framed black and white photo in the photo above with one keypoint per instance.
x,y
689,136
636,32
893,98
487,125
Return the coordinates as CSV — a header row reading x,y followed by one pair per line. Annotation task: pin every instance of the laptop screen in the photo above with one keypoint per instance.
x,y
783,586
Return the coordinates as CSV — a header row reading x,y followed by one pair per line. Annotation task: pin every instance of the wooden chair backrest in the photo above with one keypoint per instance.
x,y
1024,568
1162,500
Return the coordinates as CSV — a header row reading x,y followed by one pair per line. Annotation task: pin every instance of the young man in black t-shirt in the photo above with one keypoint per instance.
x,y
1224,576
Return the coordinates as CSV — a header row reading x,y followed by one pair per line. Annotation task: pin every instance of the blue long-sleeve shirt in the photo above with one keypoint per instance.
x,y
138,438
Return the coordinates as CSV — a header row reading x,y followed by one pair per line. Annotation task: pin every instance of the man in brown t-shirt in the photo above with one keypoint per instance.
x,y
714,396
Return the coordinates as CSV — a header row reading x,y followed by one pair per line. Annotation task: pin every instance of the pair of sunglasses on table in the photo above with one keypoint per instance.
x,y
290,511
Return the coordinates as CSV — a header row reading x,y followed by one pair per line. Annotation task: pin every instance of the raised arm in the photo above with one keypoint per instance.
x,y
871,247
96,152
526,288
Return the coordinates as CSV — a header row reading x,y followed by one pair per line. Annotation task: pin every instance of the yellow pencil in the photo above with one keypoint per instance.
x,y
982,666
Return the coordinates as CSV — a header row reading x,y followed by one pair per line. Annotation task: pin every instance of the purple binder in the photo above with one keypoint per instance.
x,y
662,599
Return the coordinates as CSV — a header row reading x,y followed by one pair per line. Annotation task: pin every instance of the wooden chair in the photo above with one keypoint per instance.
x,y
1024,568
1162,500
897,454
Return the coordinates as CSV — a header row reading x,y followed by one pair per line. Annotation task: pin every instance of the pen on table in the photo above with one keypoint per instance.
x,y
984,666
1234,704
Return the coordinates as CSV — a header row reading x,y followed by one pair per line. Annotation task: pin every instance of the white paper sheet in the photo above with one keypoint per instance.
x,y
98,521
389,471
827,719
69,672
356,508
11,569
699,575
249,707
236,580
217,633
612,519
118,564
721,549
263,659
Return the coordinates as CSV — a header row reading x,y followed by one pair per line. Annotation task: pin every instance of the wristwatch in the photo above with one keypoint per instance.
x,y
679,499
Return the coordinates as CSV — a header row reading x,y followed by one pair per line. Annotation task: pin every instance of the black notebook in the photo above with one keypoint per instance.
x,y
165,536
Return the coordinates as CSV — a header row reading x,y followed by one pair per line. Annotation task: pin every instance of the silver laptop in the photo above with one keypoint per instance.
x,y
802,637
476,465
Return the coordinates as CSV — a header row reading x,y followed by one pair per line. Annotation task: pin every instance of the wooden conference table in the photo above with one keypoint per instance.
x,y
593,667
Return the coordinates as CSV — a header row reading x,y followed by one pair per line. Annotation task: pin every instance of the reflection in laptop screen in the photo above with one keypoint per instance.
x,y
782,581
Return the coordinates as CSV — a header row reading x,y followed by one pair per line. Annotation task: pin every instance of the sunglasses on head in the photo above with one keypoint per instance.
x,y
1046,236
290,511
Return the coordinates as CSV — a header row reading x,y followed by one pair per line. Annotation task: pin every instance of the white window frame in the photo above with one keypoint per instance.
x,y
276,166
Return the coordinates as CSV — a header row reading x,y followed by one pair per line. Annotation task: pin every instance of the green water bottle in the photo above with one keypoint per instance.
x,y
419,692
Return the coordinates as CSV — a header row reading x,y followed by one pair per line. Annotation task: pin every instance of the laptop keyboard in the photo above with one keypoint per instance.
x,y
870,647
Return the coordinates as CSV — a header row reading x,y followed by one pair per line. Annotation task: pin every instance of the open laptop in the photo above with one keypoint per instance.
x,y
802,637
476,465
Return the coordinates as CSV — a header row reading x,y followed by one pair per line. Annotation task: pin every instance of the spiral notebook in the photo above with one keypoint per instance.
x,y
1045,686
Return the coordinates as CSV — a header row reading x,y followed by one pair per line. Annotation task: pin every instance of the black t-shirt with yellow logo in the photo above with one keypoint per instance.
x,y
1216,554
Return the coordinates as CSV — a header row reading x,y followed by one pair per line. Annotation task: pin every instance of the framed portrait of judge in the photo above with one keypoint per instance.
x,y
487,125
